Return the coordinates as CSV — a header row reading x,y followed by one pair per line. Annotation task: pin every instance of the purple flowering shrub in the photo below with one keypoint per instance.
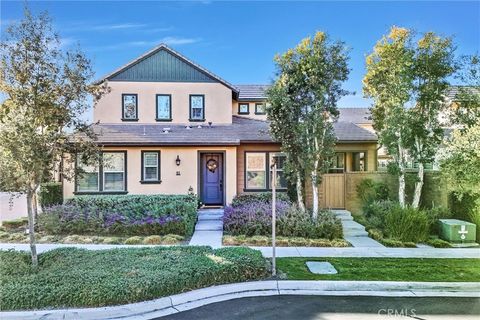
x,y
119,216
255,218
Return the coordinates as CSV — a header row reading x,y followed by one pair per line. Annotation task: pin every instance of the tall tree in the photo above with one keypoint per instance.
x,y
304,105
389,82
433,64
407,80
46,91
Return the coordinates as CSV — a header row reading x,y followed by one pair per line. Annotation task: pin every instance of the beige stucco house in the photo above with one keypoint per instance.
x,y
169,126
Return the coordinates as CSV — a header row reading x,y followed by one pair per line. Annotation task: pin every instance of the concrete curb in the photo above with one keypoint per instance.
x,y
197,298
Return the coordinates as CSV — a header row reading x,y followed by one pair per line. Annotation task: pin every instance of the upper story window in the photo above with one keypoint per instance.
x,y
109,175
260,108
150,167
243,108
129,107
197,107
164,107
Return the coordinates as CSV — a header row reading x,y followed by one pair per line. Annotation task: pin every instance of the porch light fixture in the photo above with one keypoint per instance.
x,y
177,161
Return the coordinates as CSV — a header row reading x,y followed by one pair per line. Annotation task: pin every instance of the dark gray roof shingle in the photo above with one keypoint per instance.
x,y
355,115
252,92
242,130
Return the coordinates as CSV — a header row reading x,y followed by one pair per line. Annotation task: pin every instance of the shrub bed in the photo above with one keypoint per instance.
x,y
122,215
282,241
51,193
254,217
71,277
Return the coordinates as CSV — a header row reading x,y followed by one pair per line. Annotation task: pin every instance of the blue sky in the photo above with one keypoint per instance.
x,y
237,40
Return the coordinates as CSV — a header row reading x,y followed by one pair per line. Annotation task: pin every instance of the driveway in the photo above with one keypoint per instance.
x,y
334,308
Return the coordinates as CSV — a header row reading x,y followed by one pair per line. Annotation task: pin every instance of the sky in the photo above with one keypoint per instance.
x,y
238,40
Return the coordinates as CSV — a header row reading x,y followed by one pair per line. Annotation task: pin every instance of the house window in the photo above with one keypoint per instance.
x,y
256,170
108,176
338,163
243,108
129,107
260,108
280,158
359,161
150,167
88,180
164,107
113,171
197,107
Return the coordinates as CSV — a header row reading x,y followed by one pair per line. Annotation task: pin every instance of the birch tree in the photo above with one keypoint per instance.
x,y
389,83
307,89
433,64
46,91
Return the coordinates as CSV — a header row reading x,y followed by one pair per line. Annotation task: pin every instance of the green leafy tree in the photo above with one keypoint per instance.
x,y
46,91
389,82
304,106
433,64
407,81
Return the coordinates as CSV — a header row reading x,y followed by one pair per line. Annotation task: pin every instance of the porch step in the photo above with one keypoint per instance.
x,y
209,225
210,216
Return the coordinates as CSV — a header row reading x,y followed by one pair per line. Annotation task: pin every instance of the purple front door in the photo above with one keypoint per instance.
x,y
211,183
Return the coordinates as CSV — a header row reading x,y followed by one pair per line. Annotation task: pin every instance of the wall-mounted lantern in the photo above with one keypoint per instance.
x,y
177,161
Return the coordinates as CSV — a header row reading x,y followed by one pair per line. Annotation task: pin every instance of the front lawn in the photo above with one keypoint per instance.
x,y
70,277
385,269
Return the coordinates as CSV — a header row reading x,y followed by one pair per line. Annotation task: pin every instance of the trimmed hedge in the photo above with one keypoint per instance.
x,y
70,277
122,215
266,197
51,193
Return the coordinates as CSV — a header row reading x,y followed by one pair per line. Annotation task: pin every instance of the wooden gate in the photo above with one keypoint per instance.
x,y
333,187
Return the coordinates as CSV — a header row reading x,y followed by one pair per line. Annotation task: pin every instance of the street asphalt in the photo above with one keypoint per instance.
x,y
333,308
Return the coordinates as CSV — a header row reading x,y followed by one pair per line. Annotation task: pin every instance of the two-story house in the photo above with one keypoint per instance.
x,y
169,126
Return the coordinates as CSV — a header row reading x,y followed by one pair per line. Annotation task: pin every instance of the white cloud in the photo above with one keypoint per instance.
x,y
171,40
121,26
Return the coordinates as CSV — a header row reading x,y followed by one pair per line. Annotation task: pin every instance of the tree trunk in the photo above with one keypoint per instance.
x,y
300,202
418,186
401,189
315,196
31,229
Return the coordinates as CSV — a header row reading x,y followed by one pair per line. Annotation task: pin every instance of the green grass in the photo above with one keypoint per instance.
x,y
386,269
71,277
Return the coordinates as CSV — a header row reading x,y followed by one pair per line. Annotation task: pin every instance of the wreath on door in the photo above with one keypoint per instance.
x,y
212,165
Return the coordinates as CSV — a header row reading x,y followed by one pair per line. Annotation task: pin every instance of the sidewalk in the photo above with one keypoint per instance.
x,y
294,251
209,228
197,298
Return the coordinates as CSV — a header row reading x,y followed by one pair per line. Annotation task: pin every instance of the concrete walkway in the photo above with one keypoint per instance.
x,y
354,232
473,253
209,228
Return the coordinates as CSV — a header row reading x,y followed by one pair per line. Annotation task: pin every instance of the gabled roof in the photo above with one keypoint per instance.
x,y
252,92
242,130
150,67
355,115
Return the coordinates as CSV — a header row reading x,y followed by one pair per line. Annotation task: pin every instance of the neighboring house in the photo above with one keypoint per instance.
x,y
169,126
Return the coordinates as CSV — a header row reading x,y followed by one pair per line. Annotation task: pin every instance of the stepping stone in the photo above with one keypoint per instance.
x,y
321,267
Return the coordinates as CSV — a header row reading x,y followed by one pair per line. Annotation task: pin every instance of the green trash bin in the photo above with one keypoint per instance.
x,y
457,231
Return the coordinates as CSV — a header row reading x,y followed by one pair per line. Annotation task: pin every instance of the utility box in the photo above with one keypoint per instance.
x,y
457,231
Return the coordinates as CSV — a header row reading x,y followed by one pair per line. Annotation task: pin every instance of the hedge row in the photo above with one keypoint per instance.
x,y
122,215
71,277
